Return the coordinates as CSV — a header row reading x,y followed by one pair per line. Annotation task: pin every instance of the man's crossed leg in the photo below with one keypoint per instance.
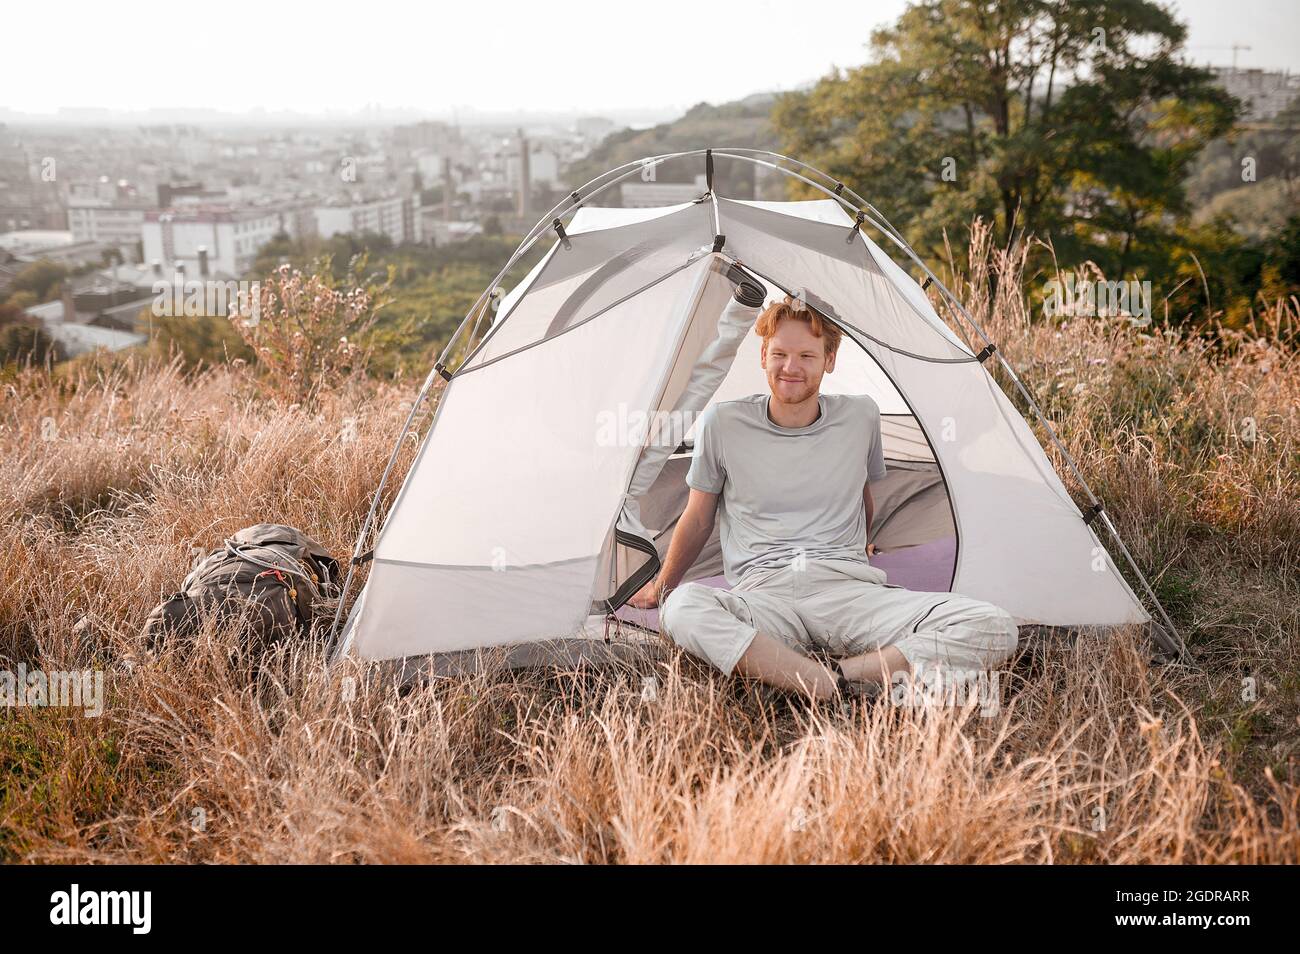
x,y
766,625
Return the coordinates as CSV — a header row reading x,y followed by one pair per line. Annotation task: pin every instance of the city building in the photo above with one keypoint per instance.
x,y
1265,93
207,241
76,339
74,331
72,255
438,231
398,217
543,167
30,241
170,192
120,225
30,211
429,136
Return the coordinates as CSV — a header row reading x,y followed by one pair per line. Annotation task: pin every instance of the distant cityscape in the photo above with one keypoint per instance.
x,y
189,197
180,202
125,207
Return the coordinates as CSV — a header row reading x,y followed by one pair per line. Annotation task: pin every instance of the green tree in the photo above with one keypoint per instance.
x,y
431,289
201,340
42,279
1074,121
21,342
1219,275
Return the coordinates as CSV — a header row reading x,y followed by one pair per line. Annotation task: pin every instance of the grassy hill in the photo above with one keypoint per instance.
x,y
744,122
111,481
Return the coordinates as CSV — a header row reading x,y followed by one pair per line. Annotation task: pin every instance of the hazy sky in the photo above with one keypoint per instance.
x,y
488,55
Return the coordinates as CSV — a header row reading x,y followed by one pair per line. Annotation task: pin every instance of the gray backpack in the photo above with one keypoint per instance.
x,y
275,577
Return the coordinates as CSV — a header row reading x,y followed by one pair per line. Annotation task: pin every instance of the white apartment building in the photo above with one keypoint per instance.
x,y
543,168
430,166
398,217
229,238
98,220
1265,93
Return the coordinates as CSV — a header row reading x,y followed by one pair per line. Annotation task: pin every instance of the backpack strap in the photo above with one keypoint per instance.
x,y
284,581
296,569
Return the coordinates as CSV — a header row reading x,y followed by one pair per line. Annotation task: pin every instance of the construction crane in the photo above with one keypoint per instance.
x,y
1235,48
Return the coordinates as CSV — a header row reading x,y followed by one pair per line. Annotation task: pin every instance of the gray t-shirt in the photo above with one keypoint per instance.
x,y
788,491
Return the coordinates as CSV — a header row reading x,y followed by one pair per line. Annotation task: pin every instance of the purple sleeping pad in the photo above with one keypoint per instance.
x,y
926,568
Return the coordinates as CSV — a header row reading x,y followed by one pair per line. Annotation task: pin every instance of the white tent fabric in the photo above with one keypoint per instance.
x,y
585,220
500,526
521,516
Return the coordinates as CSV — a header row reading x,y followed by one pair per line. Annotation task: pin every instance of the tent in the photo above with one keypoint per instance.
x,y
547,487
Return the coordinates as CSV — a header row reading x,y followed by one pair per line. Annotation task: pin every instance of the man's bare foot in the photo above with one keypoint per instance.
x,y
850,688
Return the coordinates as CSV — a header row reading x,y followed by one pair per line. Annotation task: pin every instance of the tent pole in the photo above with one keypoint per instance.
x,y
1172,642
570,204
566,206
374,506
538,230
840,191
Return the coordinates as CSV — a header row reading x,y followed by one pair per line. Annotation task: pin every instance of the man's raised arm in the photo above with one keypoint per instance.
x,y
692,533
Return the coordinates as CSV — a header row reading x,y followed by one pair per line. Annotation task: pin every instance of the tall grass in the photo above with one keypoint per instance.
x,y
112,480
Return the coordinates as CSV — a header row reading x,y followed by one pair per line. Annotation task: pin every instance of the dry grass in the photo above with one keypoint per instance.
x,y
1096,754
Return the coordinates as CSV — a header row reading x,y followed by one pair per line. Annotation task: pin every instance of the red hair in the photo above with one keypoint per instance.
x,y
799,310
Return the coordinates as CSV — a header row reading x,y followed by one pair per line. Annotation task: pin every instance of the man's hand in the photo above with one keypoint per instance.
x,y
648,596
692,532
872,549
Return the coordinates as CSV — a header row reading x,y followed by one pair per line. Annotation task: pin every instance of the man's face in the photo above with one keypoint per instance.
x,y
795,360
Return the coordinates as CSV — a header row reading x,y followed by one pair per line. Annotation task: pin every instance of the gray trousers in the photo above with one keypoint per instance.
x,y
844,607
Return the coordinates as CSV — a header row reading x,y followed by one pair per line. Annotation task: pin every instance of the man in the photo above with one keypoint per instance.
x,y
791,473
